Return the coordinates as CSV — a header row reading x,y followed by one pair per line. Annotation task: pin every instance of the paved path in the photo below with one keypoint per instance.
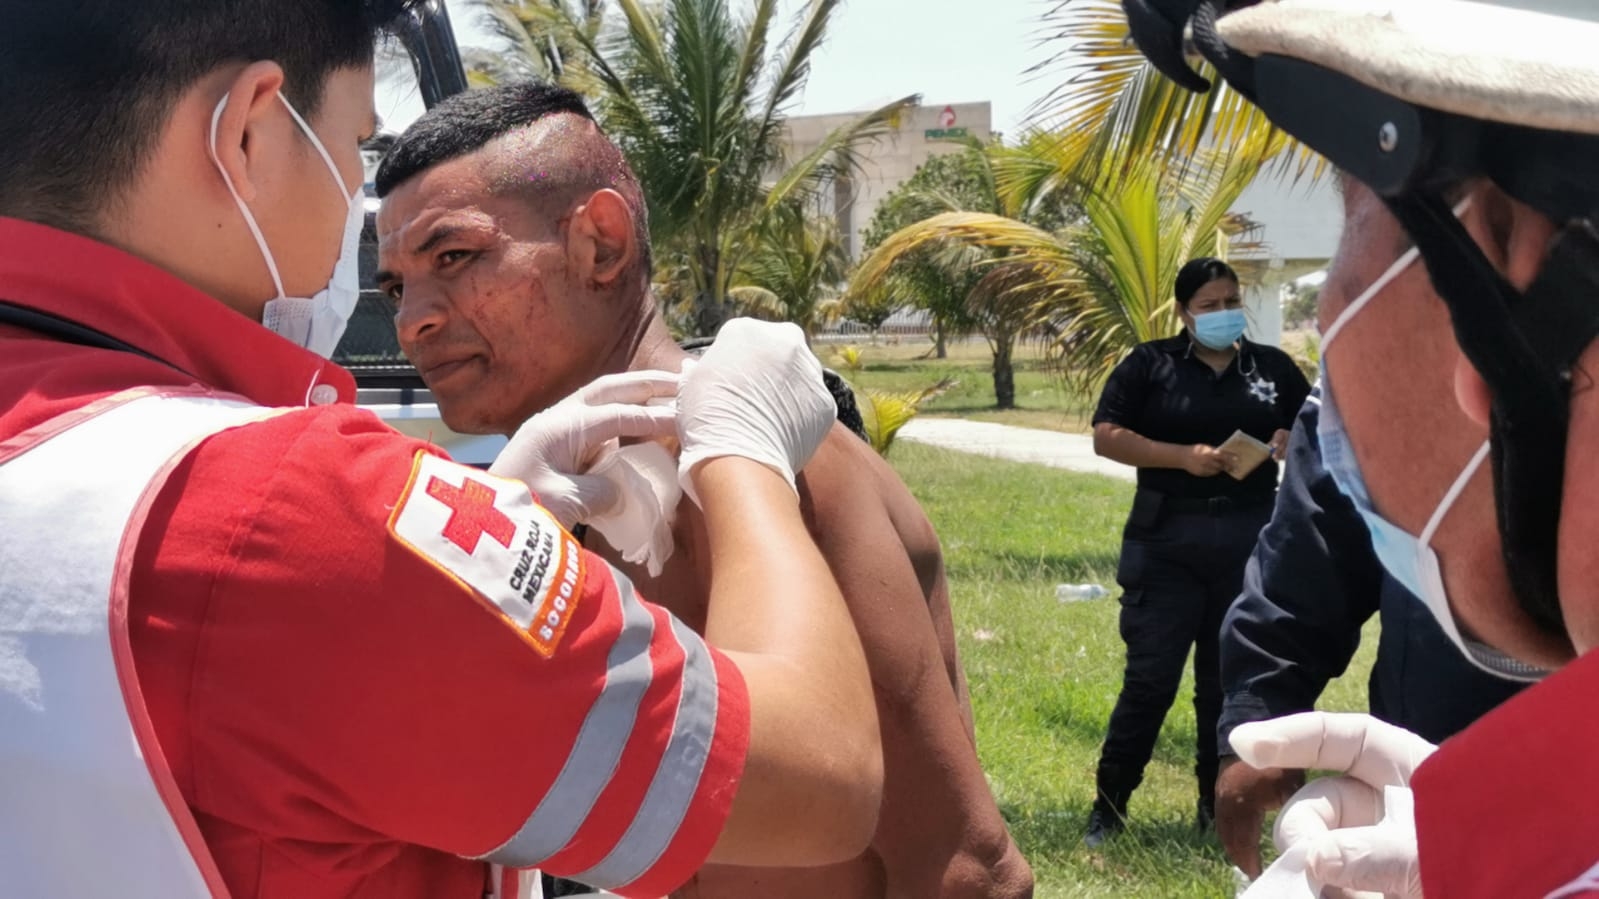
x,y
1073,451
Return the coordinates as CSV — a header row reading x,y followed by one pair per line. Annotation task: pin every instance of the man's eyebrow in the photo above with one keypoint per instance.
x,y
437,236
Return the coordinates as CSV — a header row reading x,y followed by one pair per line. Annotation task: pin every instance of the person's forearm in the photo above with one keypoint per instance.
x,y
771,591
1131,448
776,610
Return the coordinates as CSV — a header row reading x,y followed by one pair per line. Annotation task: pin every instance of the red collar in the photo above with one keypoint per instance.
x,y
115,293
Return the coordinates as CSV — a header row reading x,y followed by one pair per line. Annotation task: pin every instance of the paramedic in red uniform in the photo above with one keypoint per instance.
x,y
253,642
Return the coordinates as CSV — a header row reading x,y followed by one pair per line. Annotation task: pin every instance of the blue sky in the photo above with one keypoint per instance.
x,y
878,50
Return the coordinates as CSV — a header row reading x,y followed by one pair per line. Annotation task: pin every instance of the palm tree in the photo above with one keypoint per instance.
x,y
794,272
1002,307
936,280
1102,284
696,98
965,285
542,39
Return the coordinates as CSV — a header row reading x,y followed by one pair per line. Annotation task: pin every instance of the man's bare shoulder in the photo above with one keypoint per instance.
x,y
847,476
854,500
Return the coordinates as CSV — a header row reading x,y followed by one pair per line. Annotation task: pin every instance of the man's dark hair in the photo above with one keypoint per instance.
x,y
1196,273
87,86
469,121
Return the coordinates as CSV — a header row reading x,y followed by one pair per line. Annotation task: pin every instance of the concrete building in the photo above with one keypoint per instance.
x,y
920,133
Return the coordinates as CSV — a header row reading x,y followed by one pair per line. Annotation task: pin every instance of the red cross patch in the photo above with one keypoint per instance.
x,y
472,513
488,535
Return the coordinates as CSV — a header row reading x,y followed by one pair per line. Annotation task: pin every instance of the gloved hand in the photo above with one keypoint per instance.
x,y
554,449
756,393
1337,818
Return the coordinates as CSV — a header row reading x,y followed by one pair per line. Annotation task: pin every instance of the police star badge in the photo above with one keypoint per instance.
x,y
1263,389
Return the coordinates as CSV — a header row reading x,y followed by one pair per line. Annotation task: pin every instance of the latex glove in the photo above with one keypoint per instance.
x,y
1340,821
553,450
756,393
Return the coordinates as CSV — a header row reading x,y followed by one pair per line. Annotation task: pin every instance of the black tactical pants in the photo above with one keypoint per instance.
x,y
1181,567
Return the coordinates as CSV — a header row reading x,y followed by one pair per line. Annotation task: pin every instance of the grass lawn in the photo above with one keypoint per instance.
x,y
1044,675
1041,399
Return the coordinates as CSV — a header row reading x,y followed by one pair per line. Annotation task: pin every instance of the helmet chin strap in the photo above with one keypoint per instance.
x,y
1524,346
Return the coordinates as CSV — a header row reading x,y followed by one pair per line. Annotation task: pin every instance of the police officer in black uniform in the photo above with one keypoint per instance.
x,y
1165,410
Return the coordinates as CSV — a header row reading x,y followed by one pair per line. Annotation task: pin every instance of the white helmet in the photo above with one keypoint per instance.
x,y
1520,62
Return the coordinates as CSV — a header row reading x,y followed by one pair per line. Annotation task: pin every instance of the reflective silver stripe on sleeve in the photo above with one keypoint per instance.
x,y
600,741
677,779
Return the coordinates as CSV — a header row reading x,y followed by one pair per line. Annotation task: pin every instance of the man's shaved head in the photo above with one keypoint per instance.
x,y
542,145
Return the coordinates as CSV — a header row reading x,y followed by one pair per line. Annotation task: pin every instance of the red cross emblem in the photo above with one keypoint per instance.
x,y
472,514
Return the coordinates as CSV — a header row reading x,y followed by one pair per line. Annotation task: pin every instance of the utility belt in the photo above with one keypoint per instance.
x,y
1150,506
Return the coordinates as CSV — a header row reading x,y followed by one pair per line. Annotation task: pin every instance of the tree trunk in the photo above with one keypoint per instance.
x,y
710,309
1004,374
708,315
939,350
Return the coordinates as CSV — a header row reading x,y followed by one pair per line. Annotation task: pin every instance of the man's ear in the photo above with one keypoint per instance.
x,y
602,241
1516,238
252,97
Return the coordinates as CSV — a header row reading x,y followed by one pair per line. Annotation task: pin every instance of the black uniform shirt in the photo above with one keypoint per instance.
x,y
1164,392
1310,584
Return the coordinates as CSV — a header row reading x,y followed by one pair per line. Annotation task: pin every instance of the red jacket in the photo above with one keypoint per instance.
x,y
1510,806
368,666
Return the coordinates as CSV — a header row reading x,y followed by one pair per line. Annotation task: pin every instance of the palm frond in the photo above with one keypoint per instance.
x,y
646,40
978,229
542,39
758,302
752,59
850,357
884,412
1110,98
835,152
796,63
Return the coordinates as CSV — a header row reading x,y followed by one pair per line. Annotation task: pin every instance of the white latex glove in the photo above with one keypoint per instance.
x,y
1353,837
553,450
756,393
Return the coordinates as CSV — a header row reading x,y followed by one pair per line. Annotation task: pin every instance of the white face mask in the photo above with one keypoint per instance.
x,y
318,322
1408,559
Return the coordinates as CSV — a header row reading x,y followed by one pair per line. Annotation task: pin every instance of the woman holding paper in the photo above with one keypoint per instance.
x,y
1203,416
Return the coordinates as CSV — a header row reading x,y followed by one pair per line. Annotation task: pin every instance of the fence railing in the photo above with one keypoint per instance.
x,y
848,330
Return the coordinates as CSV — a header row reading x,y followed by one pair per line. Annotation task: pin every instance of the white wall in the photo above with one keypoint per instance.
x,y
1300,223
1302,220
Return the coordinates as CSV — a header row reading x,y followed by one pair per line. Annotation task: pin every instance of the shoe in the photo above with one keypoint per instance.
x,y
1205,817
1102,825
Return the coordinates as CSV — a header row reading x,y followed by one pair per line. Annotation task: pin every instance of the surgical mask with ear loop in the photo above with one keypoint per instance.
x,y
316,322
1408,559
